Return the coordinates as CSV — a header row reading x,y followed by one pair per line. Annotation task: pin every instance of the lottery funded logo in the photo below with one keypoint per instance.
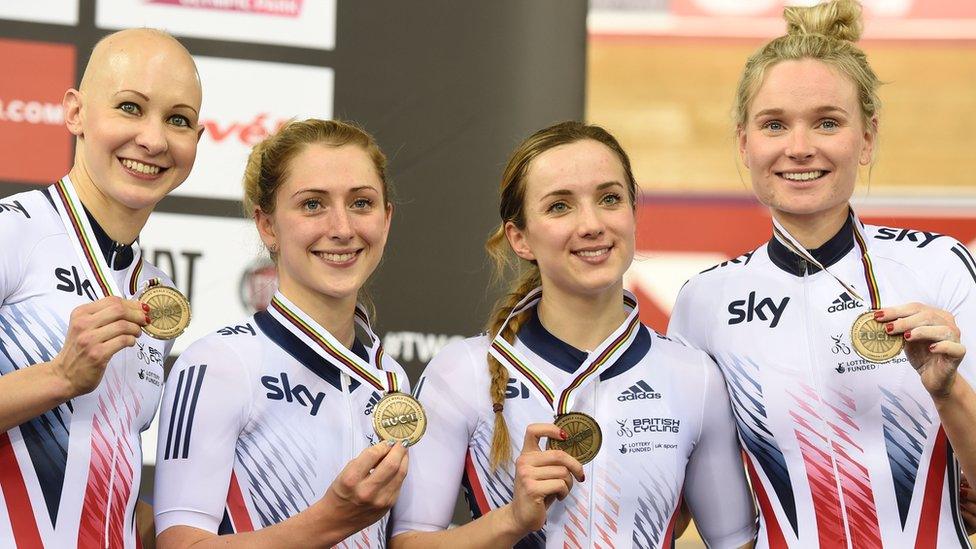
x,y
647,434
853,364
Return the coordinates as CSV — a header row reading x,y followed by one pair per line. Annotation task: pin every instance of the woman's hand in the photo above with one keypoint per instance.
x,y
541,477
931,343
367,487
96,331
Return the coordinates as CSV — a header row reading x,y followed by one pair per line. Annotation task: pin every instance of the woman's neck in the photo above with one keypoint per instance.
x,y
813,230
336,315
582,321
120,223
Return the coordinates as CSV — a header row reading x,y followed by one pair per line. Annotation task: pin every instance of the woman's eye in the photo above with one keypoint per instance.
x,y
179,120
557,207
829,124
773,126
312,204
129,107
611,199
362,203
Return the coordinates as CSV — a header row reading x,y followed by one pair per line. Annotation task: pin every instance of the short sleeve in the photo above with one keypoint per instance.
x,y
17,242
446,390
957,295
205,406
686,326
716,467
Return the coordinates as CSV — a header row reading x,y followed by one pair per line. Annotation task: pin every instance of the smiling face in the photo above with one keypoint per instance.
x,y
579,222
329,225
136,118
804,139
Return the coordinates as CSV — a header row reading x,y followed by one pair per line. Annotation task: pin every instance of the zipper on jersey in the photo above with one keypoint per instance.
x,y
817,373
350,434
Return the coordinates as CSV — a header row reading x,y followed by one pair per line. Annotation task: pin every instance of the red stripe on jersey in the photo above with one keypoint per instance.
x,y
16,498
823,489
669,533
928,524
476,490
774,534
236,507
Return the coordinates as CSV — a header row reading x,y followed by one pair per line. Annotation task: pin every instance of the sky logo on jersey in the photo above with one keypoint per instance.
x,y
70,281
373,401
246,328
515,389
282,389
922,238
14,206
639,391
844,302
746,310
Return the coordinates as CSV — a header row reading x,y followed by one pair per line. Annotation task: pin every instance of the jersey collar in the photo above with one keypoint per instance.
x,y
118,256
829,253
303,354
564,356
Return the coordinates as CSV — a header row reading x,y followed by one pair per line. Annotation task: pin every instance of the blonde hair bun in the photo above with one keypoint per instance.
x,y
839,19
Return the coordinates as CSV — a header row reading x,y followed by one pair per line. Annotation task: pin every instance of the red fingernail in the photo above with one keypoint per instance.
x,y
908,335
583,477
145,307
932,347
563,435
878,315
890,327
148,321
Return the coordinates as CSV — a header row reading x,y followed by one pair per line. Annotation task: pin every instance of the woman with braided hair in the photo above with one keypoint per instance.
x,y
639,418
844,450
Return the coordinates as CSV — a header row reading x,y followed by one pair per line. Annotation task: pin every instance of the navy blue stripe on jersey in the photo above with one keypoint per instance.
x,y
750,418
952,468
27,337
193,410
301,352
967,259
564,356
419,387
184,408
904,440
226,526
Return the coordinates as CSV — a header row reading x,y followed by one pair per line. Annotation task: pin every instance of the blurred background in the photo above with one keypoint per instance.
x,y
449,88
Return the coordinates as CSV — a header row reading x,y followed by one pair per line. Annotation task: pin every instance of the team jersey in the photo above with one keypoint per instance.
x,y
666,425
842,452
254,427
69,477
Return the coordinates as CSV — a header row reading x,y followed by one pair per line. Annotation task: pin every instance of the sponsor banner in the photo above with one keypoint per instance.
x,y
243,102
679,236
35,146
207,270
61,12
884,19
302,23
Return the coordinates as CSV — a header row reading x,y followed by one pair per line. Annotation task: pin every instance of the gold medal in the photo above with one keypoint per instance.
x,y
399,416
872,342
583,436
169,311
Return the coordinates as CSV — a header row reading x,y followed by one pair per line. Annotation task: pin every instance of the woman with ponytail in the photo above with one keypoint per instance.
x,y
640,418
840,342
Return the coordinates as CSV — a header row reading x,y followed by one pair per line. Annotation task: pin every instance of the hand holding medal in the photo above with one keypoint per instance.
x,y
932,342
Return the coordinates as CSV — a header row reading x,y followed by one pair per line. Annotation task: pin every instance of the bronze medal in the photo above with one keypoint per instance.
x,y
583,439
399,416
169,311
872,342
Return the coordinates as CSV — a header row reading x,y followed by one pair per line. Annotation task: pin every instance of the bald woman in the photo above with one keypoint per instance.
x,y
79,377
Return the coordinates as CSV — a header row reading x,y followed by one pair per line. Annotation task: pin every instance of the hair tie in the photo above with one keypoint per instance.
x,y
497,407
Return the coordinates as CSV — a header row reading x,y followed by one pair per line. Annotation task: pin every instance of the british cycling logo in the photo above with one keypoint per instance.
x,y
629,428
840,348
751,308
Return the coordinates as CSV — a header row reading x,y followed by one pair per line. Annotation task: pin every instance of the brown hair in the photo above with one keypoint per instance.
x,y
512,209
825,32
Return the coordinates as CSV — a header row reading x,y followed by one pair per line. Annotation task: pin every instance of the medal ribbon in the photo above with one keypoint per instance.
x,y
328,347
787,240
604,356
82,237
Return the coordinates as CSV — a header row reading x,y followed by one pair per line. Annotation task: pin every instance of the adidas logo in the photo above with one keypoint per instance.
x,y
843,303
373,400
639,391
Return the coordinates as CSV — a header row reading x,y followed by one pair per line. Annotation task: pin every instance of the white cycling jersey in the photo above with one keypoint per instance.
x,y
666,426
254,428
842,452
69,477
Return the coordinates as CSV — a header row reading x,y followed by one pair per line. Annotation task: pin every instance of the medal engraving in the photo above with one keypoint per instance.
x,y
169,312
584,436
872,342
399,416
